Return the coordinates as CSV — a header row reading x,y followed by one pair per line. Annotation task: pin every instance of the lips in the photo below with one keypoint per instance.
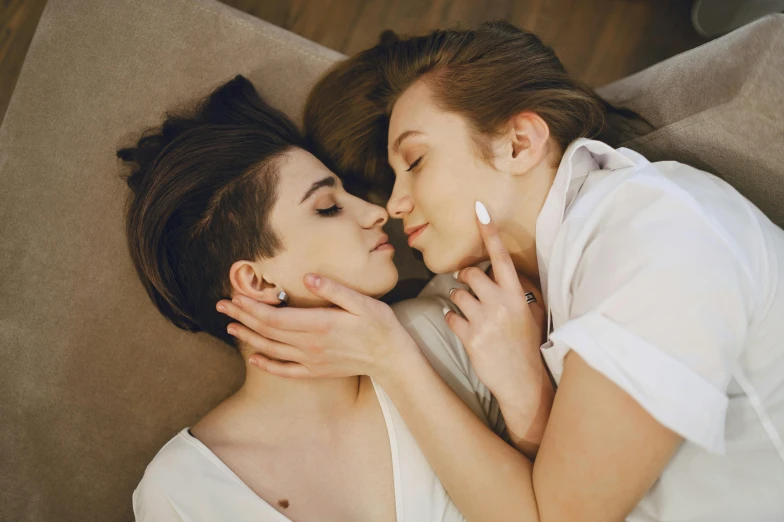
x,y
414,232
384,239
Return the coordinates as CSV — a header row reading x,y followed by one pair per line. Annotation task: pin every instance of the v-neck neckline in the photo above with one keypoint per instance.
x,y
280,517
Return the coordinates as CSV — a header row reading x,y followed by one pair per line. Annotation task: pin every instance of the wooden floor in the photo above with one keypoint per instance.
x,y
598,40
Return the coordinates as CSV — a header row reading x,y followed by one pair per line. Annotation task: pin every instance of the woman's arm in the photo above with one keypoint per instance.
x,y
600,454
526,419
486,478
601,451
526,425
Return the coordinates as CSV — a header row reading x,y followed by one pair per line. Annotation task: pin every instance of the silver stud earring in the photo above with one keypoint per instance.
x,y
284,298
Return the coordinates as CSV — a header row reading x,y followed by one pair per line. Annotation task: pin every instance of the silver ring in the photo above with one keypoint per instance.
x,y
530,297
284,298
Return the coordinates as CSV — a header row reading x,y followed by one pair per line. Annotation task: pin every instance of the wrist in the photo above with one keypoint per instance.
x,y
526,413
403,360
520,402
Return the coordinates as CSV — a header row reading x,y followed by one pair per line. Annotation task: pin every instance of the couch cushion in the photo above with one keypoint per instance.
x,y
720,108
94,380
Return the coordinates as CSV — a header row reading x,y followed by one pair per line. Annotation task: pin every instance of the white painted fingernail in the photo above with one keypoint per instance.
x,y
456,274
446,310
482,214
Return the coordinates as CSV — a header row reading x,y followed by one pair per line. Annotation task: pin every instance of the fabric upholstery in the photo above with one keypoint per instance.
x,y
718,107
94,381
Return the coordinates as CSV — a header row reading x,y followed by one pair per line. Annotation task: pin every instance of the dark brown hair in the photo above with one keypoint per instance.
x,y
202,186
487,75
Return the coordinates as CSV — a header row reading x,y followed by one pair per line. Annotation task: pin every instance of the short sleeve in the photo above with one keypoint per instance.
x,y
660,306
423,318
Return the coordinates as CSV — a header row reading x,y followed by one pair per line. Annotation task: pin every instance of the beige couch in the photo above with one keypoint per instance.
x,y
94,380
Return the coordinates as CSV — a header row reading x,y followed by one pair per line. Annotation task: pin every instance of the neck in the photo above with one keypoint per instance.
x,y
522,249
296,402
517,228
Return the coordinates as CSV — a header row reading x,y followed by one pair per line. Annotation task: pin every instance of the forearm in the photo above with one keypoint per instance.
x,y
486,478
525,431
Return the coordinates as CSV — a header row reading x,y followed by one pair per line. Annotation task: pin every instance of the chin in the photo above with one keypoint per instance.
x,y
436,260
383,283
439,264
448,262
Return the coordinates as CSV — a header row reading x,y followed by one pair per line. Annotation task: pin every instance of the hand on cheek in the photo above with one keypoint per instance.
x,y
501,332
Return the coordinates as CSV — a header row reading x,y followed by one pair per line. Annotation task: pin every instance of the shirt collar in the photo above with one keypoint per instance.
x,y
580,158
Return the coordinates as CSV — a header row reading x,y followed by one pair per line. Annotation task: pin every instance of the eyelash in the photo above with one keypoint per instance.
x,y
415,164
329,212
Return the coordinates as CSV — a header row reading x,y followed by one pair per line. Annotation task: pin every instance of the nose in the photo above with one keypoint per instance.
x,y
400,203
375,216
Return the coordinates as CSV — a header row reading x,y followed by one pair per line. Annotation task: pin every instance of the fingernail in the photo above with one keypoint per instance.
x,y
482,214
231,331
237,302
452,291
253,362
313,280
221,308
446,310
456,274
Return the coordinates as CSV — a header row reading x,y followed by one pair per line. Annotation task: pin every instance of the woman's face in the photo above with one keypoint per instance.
x,y
440,175
325,231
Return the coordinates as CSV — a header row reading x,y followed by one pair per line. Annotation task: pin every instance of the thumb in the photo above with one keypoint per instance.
x,y
336,293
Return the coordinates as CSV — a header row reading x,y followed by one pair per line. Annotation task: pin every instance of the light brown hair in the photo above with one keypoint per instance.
x,y
487,75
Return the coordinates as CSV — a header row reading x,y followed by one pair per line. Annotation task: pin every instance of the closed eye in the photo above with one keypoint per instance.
x,y
414,164
329,212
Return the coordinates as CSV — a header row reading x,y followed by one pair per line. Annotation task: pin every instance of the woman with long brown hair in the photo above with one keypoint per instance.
x,y
664,289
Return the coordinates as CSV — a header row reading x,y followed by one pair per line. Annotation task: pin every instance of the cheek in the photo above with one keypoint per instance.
x,y
437,195
289,275
336,250
449,184
314,249
454,248
332,247
345,258
327,253
329,248
446,200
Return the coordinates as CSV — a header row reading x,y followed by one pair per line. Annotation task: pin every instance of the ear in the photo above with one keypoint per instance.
x,y
247,278
529,137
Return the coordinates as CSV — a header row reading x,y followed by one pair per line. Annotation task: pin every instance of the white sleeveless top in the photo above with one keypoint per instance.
x,y
186,482
671,284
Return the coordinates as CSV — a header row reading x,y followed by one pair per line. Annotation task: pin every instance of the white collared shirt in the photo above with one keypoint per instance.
x,y
671,284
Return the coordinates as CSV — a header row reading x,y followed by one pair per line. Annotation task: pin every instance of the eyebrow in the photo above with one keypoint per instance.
x,y
399,140
329,181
